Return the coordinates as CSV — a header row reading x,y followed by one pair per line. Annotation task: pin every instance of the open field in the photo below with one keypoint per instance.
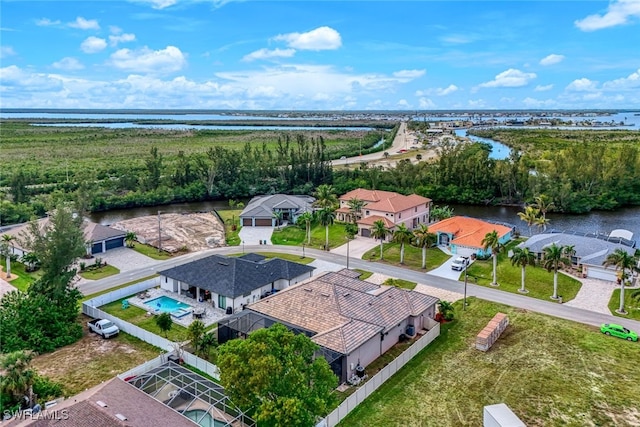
x,y
92,360
412,256
550,372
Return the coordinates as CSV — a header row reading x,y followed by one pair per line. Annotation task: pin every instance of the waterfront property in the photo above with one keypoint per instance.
x,y
463,235
590,252
354,322
391,208
230,283
262,211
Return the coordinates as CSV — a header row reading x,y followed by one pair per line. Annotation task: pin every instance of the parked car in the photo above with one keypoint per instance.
x,y
618,331
460,263
105,328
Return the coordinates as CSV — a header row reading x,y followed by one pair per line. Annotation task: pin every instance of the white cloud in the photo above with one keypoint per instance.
x,y
93,45
68,63
632,81
403,104
322,38
85,24
15,78
551,59
46,22
582,85
543,88
158,4
538,103
425,103
409,74
457,39
269,53
121,38
145,60
618,13
510,78
6,51
447,90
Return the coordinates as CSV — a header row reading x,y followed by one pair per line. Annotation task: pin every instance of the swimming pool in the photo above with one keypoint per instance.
x,y
167,304
205,421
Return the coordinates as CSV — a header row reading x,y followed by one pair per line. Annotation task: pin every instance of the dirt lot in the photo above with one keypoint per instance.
x,y
91,360
193,231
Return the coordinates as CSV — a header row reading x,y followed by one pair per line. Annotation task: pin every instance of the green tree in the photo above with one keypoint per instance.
x,y
380,231
18,186
523,257
164,322
16,375
544,204
492,241
195,332
277,215
130,238
351,229
326,216
289,385
403,236
553,259
307,219
530,215
30,259
154,169
6,249
355,208
438,213
623,263
424,239
325,197
445,308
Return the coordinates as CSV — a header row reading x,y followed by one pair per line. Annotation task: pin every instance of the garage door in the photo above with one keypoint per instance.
x,y
365,232
263,222
246,222
601,273
96,248
115,243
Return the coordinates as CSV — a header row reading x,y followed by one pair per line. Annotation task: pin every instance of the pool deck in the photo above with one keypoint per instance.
x,y
212,315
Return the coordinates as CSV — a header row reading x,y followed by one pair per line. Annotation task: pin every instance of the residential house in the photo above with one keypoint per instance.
x,y
262,210
391,208
464,235
233,282
590,252
354,322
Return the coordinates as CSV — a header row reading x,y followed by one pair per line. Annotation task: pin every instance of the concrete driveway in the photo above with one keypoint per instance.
x,y
445,270
357,247
253,235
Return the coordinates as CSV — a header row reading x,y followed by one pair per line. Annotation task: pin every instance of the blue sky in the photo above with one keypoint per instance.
x,y
343,55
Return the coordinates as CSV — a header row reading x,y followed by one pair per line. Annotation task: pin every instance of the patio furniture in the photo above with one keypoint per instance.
x,y
199,313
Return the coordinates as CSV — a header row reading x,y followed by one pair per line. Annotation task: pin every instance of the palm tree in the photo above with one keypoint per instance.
x,y
326,217
355,206
492,241
278,217
18,377
438,213
623,262
380,231
530,215
325,197
6,243
553,259
307,218
523,257
31,260
570,252
402,235
544,204
130,237
424,238
542,223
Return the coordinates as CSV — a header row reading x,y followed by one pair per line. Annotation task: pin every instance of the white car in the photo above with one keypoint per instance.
x,y
460,263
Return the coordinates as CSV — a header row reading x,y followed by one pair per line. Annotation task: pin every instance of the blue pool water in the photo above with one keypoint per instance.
x,y
203,418
167,304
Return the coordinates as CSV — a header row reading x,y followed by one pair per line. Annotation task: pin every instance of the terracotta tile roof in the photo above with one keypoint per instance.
x,y
373,218
342,311
367,195
344,209
467,231
398,203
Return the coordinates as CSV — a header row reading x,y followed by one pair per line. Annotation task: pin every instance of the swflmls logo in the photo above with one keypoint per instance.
x,y
62,414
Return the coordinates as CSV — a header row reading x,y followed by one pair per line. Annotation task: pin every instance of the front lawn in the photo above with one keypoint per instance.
x,y
538,281
21,279
139,317
231,217
150,251
295,236
364,274
412,256
400,283
99,273
550,372
632,305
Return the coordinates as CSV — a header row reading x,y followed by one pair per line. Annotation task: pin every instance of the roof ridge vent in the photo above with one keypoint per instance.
x,y
307,289
223,263
346,294
101,403
324,294
121,417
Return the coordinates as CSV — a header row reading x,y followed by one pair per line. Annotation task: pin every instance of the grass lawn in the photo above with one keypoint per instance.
x,y
288,257
230,217
538,281
632,305
400,283
550,372
294,236
93,360
21,279
364,274
100,273
124,285
139,317
150,251
412,256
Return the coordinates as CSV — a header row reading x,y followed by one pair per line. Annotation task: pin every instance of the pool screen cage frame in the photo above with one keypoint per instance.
x,y
190,391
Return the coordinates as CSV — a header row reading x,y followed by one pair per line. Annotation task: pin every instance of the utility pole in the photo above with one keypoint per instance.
x,y
464,301
159,235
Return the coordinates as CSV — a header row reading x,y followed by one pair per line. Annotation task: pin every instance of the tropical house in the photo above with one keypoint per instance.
x,y
463,235
354,322
231,283
262,211
391,208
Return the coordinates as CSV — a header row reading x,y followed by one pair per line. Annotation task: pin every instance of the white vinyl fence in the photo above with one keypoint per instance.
x,y
378,379
90,308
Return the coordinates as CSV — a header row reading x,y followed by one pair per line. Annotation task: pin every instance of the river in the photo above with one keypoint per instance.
x,y
595,221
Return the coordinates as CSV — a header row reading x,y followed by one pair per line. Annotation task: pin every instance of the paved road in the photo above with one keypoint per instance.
x,y
399,143
490,294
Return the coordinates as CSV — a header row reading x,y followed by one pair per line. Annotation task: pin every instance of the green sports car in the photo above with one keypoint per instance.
x,y
618,331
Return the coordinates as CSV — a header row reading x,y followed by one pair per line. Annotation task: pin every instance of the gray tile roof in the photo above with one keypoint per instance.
x,y
233,276
263,206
